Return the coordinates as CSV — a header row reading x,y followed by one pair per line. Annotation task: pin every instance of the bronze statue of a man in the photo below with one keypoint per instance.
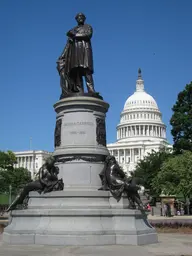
x,y
76,61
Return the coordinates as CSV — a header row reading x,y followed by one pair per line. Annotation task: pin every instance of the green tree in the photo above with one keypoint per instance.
x,y
148,168
9,175
7,160
181,120
15,177
175,176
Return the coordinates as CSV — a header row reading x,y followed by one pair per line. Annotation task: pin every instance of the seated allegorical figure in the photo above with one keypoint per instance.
x,y
47,181
114,179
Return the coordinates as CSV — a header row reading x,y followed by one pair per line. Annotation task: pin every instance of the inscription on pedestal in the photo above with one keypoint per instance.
x,y
78,129
78,125
80,132
101,131
58,133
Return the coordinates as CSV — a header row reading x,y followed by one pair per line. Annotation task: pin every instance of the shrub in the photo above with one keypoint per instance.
x,y
172,225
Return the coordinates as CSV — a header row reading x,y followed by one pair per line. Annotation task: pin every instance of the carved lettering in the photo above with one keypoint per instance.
x,y
73,132
80,132
78,123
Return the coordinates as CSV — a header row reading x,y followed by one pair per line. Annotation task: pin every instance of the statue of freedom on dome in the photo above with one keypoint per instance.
x,y
76,60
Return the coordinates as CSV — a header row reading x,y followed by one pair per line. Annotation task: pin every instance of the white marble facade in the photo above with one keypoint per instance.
x,y
140,130
31,160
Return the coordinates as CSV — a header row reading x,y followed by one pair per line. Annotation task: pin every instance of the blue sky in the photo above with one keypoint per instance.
x,y
153,35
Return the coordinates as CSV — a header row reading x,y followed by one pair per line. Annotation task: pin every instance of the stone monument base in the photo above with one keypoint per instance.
x,y
80,140
78,218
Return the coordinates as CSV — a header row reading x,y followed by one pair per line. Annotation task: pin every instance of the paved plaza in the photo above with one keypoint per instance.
x,y
169,244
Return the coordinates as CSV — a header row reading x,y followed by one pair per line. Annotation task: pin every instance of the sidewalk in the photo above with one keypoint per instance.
x,y
169,245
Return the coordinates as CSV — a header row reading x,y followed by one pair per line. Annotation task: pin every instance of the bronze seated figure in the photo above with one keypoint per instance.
x,y
47,181
114,179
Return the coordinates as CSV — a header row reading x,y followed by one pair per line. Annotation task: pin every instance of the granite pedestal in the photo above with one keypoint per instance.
x,y
80,140
78,218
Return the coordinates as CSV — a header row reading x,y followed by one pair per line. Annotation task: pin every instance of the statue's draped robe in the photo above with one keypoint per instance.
x,y
77,57
79,51
114,178
48,179
65,83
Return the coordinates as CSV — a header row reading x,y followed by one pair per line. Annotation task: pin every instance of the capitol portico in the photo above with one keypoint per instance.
x,y
140,130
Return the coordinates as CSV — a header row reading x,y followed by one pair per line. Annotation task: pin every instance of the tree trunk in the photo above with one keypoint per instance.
x,y
187,203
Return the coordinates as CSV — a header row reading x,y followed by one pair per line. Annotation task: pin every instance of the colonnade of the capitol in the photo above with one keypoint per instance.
x,y
141,130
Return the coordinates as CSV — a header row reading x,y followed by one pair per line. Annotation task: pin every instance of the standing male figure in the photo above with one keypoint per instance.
x,y
78,56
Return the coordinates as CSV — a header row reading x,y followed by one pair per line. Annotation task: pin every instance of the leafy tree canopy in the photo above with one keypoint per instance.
x,y
10,175
148,168
175,176
181,120
7,160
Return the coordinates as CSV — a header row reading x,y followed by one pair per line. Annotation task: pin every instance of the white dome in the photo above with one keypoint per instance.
x,y
140,99
140,116
140,129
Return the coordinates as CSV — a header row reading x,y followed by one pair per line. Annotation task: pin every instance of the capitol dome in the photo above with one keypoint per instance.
x,y
142,110
140,129
140,99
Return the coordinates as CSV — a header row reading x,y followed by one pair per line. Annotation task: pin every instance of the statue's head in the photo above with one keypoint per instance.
x,y
56,170
49,162
80,18
110,159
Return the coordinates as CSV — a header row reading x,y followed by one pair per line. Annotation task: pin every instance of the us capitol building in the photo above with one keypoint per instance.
x,y
140,130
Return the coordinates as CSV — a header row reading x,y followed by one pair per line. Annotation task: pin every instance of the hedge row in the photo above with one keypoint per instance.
x,y
174,225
